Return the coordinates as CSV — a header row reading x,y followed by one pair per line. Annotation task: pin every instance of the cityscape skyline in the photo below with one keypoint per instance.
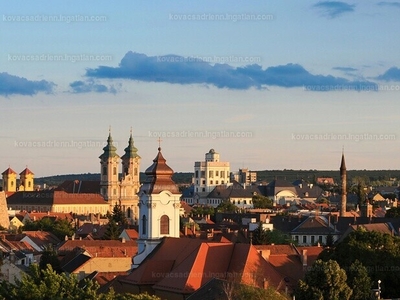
x,y
269,86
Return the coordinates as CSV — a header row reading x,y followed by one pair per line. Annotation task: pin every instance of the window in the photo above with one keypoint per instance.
x,y
204,182
244,202
104,170
135,171
144,224
222,173
312,239
203,174
238,201
12,183
304,239
296,238
211,174
164,225
115,192
203,189
197,174
320,239
233,202
222,182
211,182
129,210
114,171
29,184
216,173
216,181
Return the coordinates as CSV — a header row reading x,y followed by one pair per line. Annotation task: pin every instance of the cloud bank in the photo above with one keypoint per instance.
x,y
392,74
180,70
389,3
334,9
14,85
78,87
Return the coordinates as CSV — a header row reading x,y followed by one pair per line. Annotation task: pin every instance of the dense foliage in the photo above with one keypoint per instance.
x,y
260,201
46,284
266,237
59,227
117,222
379,253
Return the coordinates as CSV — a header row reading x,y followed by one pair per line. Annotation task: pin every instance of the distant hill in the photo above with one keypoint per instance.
x,y
266,175
179,178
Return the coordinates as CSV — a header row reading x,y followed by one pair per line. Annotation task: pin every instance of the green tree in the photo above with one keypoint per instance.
x,y
359,281
113,231
379,253
325,281
394,212
250,292
226,206
46,284
259,236
59,227
49,257
260,201
118,216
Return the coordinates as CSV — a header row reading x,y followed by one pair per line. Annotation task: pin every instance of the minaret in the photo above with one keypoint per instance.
x,y
159,203
130,180
343,180
109,185
26,180
9,180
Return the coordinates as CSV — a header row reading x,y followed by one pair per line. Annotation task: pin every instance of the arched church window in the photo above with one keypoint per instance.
x,y
144,224
12,183
135,171
164,224
104,170
128,212
114,171
29,184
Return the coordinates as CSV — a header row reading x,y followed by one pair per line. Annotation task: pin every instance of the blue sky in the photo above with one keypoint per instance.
x,y
268,85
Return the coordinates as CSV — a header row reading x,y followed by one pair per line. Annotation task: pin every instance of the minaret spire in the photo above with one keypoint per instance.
x,y
343,180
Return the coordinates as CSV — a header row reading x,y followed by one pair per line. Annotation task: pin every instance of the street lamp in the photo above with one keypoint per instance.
x,y
379,289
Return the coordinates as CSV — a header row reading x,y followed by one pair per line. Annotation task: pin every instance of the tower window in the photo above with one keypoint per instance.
x,y
29,184
114,171
104,170
197,174
164,225
12,183
210,174
135,172
144,224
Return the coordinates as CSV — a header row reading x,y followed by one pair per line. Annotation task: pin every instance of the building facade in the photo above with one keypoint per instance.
x,y
208,174
120,191
159,208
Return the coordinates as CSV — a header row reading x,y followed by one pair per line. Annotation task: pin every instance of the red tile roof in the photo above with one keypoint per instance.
x,y
9,171
101,248
184,265
26,171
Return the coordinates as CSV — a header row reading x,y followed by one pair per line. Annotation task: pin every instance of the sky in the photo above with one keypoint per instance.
x,y
268,84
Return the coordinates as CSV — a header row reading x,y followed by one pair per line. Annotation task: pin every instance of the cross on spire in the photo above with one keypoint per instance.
x,y
159,143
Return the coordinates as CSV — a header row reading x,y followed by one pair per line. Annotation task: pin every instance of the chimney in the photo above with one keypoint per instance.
x,y
66,238
123,240
185,228
304,257
73,237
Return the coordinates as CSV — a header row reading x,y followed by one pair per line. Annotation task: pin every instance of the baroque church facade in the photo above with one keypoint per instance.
x,y
121,191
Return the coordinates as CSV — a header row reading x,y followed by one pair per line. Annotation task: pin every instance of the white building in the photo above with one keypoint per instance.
x,y
159,208
208,174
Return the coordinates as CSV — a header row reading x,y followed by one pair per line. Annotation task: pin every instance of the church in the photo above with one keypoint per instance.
x,y
120,191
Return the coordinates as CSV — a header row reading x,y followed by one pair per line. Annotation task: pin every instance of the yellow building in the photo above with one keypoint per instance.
x,y
9,180
26,180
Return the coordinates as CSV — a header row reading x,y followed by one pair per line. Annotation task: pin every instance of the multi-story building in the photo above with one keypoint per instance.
x,y
208,174
244,176
25,181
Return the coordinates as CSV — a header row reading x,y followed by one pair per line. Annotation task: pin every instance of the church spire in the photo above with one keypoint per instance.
x,y
159,176
131,150
109,149
343,163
